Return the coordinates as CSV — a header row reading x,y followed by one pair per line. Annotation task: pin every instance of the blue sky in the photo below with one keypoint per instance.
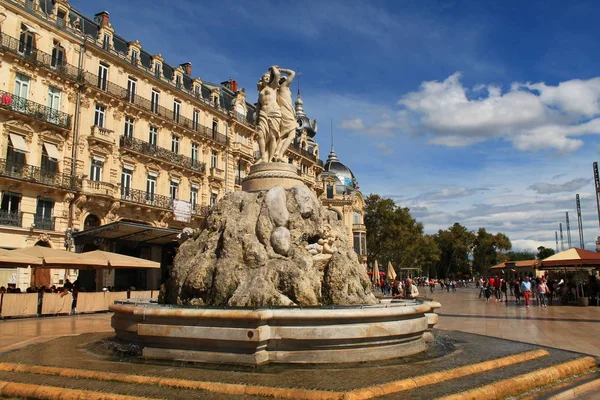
x,y
478,112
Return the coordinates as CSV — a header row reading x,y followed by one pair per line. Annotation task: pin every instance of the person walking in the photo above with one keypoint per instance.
x,y
526,290
542,290
503,291
517,291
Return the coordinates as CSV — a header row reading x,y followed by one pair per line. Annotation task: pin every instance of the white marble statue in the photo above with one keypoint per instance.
x,y
276,114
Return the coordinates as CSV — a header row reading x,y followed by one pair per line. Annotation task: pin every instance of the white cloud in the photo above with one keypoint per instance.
x,y
385,148
549,188
352,124
530,116
451,193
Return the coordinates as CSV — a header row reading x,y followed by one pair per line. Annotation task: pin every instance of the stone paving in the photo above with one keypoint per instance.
x,y
564,327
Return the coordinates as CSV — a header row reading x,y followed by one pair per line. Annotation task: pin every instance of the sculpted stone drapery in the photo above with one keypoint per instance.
x,y
276,114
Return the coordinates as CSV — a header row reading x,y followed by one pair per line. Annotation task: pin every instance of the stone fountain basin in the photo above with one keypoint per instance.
x,y
246,336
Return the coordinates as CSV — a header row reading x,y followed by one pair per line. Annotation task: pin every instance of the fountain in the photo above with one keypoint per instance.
x,y
271,277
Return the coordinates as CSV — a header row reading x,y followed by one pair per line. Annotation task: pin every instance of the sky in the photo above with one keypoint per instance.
x,y
477,112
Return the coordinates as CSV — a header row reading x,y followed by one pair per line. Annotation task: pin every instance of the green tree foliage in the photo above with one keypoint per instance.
x,y
544,252
394,235
455,245
518,256
486,248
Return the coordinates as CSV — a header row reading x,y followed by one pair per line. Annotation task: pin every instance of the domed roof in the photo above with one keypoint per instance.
x,y
342,173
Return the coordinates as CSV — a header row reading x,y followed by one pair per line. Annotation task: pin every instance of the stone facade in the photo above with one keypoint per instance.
x,y
95,129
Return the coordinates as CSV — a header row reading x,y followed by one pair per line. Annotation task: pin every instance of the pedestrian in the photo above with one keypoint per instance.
x,y
431,285
526,290
503,288
542,289
517,290
488,291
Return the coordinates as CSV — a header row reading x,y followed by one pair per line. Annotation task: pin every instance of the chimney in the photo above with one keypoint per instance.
x,y
102,18
230,84
187,68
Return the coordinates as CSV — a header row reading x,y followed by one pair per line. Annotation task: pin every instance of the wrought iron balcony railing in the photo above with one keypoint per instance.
x,y
37,175
34,110
43,222
298,150
98,187
152,106
150,199
149,149
38,57
11,218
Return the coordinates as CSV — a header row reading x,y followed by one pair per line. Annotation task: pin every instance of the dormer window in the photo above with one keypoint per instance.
x,y
61,18
178,81
134,57
157,69
106,42
197,91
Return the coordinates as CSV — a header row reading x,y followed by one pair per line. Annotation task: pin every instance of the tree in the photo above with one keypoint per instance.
x,y
544,252
455,245
394,235
518,256
486,248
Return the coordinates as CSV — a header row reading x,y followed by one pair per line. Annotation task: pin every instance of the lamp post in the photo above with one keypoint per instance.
x,y
68,246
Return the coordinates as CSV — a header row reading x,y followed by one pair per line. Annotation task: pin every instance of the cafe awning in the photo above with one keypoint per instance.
x,y
571,259
50,258
114,260
9,259
127,231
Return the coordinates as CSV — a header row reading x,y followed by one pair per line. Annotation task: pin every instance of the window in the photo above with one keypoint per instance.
x,y
25,41
102,76
21,86
131,87
153,135
44,210
356,218
106,41
213,159
174,189
58,56
15,155
48,164
99,116
96,169
134,57
213,199
9,210
150,186
154,101
215,128
53,104
195,119
157,69
193,196
197,91
176,110
126,176
329,191
195,152
128,130
178,81
175,143
356,242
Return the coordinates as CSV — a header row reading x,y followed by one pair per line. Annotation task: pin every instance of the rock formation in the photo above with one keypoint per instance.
x,y
274,248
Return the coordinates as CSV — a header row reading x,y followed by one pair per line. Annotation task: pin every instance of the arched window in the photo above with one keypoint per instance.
x,y
91,221
356,218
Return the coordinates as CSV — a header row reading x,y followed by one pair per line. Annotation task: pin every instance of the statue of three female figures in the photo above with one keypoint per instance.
x,y
276,114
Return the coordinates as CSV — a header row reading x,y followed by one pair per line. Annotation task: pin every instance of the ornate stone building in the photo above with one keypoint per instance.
x,y
103,144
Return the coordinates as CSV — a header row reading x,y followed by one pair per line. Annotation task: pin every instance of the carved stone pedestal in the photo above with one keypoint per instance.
x,y
265,176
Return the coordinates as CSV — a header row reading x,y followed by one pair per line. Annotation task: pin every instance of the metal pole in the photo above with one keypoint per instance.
x,y
597,184
568,231
556,238
581,244
562,243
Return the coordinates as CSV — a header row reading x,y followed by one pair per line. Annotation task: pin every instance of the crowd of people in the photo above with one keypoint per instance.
x,y
527,290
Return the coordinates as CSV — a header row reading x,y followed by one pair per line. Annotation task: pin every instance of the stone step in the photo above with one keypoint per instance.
x,y
586,386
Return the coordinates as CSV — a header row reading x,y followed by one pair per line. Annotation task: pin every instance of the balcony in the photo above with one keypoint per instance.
x,y
201,211
300,151
102,134
34,110
216,173
98,188
149,199
359,227
43,222
38,57
123,94
37,175
10,218
142,147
